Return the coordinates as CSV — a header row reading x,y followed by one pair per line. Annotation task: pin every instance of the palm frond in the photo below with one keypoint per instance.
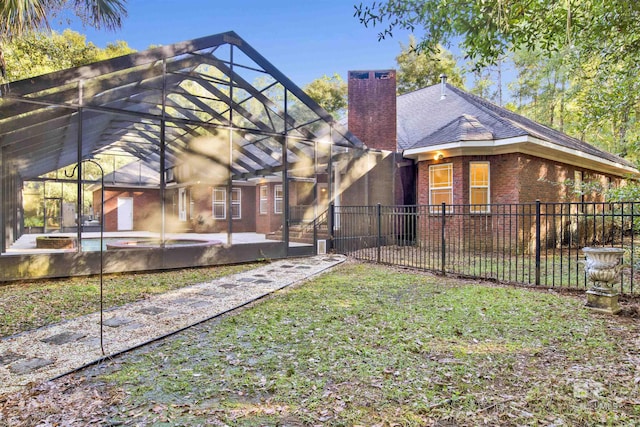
x,y
20,16
100,14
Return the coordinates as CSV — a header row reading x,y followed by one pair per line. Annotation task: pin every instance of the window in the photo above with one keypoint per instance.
x,y
236,203
182,204
440,185
192,205
220,203
277,199
264,199
479,187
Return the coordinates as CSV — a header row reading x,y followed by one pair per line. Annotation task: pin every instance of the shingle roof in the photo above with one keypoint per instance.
x,y
424,120
463,128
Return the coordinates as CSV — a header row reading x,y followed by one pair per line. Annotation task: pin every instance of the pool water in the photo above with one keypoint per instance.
x,y
93,244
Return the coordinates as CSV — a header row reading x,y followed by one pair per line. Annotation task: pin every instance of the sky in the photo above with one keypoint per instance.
x,y
304,39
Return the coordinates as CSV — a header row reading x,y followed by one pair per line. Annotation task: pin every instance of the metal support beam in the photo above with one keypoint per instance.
x,y
230,160
285,179
163,184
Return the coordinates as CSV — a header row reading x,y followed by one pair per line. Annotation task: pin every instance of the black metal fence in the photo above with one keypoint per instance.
x,y
534,243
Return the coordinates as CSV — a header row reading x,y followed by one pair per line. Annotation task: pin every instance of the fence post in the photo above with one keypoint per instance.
x,y
379,239
331,213
443,247
633,251
538,242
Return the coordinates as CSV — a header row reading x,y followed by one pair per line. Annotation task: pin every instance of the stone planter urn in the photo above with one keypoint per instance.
x,y
602,267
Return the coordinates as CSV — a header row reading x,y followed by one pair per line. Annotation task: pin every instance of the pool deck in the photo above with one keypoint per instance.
x,y
26,244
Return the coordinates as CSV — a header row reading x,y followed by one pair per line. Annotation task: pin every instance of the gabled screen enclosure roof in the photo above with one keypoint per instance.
x,y
151,104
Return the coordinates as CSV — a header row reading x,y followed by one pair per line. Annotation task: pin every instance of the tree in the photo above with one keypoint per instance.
x,y
608,99
418,69
543,87
590,99
38,53
330,93
18,17
490,28
584,50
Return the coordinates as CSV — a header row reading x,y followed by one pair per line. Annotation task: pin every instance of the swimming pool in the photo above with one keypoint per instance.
x,y
92,244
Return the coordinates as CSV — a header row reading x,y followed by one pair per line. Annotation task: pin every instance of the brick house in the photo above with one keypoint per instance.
x,y
466,150
456,148
448,146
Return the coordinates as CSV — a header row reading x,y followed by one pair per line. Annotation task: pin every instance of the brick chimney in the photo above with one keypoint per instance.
x,y
372,108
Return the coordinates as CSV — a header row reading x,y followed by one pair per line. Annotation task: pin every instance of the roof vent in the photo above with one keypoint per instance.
x,y
443,86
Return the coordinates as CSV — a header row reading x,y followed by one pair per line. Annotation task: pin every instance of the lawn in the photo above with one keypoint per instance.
x,y
560,269
369,345
31,304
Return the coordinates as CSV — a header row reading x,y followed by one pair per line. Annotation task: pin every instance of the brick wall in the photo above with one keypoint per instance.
x,y
201,219
541,180
270,221
372,108
514,178
146,208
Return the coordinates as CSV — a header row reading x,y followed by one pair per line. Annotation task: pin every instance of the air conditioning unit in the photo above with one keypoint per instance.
x,y
321,248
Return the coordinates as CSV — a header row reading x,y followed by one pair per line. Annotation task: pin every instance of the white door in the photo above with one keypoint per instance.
x,y
125,213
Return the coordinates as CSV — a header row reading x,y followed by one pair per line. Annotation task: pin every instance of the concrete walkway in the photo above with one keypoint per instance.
x,y
54,350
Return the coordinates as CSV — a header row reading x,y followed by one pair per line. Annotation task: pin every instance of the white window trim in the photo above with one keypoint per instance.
x,y
215,203
238,203
223,202
264,199
192,204
434,209
479,209
276,199
182,204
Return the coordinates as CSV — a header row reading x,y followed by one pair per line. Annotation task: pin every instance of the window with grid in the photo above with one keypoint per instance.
x,y
236,203
440,185
479,187
264,199
219,203
278,198
192,204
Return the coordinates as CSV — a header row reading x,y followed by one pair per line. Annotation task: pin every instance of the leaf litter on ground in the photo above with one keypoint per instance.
x,y
373,345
